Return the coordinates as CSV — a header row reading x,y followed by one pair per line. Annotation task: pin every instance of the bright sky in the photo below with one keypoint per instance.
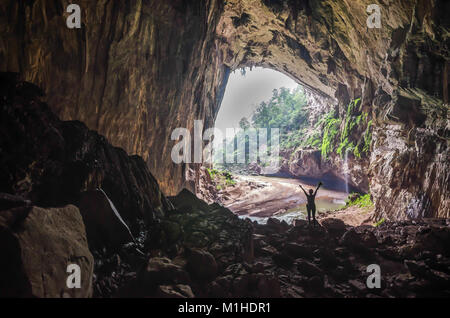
x,y
245,92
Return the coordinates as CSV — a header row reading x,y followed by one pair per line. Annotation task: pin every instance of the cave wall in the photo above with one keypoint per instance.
x,y
133,72
51,162
138,69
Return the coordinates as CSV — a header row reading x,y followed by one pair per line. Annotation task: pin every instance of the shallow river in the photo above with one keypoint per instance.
x,y
283,199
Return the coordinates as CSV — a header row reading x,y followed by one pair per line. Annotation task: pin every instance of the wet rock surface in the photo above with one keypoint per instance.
x,y
105,225
411,169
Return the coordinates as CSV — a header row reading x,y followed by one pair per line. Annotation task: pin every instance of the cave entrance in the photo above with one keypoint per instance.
x,y
261,99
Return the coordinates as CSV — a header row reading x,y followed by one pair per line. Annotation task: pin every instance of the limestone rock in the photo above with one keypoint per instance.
x,y
334,226
131,68
37,246
50,162
308,269
177,291
296,250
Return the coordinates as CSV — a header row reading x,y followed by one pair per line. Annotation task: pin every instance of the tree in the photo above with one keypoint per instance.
x,y
244,123
285,110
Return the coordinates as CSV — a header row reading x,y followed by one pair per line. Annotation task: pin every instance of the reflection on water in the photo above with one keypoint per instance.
x,y
323,204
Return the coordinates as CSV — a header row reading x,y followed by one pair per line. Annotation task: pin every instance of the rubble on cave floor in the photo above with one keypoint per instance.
x,y
207,251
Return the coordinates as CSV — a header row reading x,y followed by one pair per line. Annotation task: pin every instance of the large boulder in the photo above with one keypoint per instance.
x,y
359,238
212,227
37,245
176,291
161,277
308,269
297,250
335,227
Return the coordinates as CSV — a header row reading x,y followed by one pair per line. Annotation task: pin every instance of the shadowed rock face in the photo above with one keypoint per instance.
x,y
50,162
38,245
133,72
136,70
104,225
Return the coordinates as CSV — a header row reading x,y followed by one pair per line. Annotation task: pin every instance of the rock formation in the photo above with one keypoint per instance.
x,y
48,162
136,71
241,259
106,226
37,247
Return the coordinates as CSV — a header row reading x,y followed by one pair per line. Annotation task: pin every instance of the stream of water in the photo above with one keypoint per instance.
x,y
300,213
346,170
326,199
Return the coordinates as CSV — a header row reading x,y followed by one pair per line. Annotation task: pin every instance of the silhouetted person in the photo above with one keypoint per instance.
x,y
311,205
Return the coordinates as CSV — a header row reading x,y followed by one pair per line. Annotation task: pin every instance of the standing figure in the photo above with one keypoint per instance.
x,y
311,205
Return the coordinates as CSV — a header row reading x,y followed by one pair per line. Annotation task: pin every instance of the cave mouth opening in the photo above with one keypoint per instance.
x,y
252,115
263,98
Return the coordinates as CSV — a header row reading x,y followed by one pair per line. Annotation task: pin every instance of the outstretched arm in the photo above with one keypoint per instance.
x,y
303,190
318,186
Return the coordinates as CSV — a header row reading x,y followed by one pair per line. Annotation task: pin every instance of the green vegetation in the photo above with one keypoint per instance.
x,y
221,178
212,172
348,142
351,122
381,221
288,111
367,137
330,133
362,201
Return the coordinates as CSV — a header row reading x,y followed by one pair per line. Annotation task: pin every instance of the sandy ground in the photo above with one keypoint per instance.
x,y
266,196
258,196
353,216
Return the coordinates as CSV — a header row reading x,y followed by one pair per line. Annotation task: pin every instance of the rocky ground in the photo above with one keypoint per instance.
x,y
201,250
213,253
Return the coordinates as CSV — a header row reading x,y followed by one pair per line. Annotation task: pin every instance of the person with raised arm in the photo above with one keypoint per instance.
x,y
311,205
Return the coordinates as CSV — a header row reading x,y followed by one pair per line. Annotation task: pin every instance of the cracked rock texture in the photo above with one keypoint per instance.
x,y
138,69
